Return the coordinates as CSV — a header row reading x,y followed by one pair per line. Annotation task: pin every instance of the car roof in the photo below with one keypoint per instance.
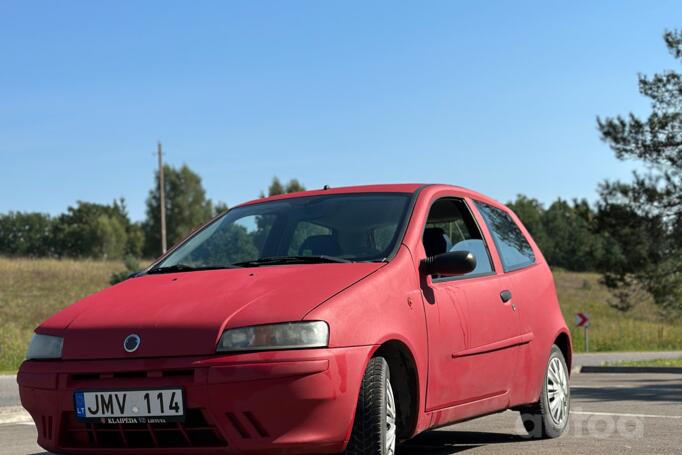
x,y
382,188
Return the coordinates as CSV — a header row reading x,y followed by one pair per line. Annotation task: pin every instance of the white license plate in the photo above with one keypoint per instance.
x,y
130,406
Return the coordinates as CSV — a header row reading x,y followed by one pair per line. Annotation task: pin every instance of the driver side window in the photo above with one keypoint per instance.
x,y
451,227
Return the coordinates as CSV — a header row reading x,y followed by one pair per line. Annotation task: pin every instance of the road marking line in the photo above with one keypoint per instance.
x,y
610,386
616,414
623,386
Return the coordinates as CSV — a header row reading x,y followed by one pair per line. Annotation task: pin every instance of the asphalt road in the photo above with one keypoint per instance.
x,y
611,413
9,395
599,358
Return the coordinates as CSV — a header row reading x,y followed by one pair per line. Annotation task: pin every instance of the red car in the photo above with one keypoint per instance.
x,y
326,321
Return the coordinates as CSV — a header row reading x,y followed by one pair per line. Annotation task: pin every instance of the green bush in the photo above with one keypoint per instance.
x,y
131,264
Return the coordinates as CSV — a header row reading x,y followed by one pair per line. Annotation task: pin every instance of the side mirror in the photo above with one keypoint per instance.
x,y
449,264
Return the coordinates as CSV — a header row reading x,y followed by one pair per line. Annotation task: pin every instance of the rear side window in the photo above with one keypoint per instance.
x,y
515,251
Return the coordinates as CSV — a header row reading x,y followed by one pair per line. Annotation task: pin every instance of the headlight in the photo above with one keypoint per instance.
x,y
291,335
45,347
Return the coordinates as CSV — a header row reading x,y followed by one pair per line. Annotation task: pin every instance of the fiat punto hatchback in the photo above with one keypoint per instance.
x,y
333,321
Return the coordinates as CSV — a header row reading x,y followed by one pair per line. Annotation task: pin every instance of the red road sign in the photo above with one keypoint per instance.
x,y
582,320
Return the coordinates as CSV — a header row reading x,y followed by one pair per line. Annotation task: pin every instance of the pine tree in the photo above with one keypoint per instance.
x,y
645,215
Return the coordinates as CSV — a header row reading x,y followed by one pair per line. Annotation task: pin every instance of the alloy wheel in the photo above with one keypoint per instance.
x,y
391,430
557,391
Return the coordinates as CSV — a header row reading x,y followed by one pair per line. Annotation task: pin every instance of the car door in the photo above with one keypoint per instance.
x,y
472,323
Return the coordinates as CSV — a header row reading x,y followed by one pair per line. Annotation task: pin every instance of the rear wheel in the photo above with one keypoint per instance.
x,y
548,417
374,428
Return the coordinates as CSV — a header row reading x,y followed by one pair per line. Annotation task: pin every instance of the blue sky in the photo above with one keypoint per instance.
x,y
497,96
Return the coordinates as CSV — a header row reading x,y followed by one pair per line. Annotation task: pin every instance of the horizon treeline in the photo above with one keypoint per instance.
x,y
106,232
569,234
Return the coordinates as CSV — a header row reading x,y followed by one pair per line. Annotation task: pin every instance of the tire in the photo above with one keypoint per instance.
x,y
548,418
374,428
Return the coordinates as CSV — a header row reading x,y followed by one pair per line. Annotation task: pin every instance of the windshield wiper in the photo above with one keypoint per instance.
x,y
188,268
274,260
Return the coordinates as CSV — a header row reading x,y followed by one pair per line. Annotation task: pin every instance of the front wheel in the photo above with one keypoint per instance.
x,y
548,417
374,428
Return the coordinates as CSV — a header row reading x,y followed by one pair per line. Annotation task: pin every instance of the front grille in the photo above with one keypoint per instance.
x,y
83,379
195,431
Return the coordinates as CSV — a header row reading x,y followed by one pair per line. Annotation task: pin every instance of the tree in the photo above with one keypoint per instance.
x,y
531,213
92,230
276,187
574,244
570,235
186,208
135,241
111,237
219,208
26,234
228,244
649,208
87,230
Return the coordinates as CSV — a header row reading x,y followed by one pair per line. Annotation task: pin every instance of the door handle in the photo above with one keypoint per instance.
x,y
505,296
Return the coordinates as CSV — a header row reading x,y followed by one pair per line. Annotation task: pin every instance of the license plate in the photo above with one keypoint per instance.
x,y
130,406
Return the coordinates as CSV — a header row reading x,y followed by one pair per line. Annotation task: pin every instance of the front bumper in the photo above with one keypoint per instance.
x,y
271,402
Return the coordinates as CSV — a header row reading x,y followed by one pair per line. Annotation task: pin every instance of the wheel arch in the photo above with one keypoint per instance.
x,y
402,365
563,341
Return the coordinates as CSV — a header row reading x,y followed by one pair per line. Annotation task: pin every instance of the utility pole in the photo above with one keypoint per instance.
x,y
162,199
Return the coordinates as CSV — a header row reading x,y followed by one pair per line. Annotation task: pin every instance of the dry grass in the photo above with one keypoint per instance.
x,y
32,290
641,329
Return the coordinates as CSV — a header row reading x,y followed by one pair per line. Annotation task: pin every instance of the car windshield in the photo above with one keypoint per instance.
x,y
311,229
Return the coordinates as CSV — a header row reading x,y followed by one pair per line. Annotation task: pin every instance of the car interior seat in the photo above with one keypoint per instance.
x,y
320,245
434,241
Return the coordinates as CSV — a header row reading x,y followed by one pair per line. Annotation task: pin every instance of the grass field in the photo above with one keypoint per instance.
x,y
641,329
32,290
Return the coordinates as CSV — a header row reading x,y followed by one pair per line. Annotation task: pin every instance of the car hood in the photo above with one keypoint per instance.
x,y
185,313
